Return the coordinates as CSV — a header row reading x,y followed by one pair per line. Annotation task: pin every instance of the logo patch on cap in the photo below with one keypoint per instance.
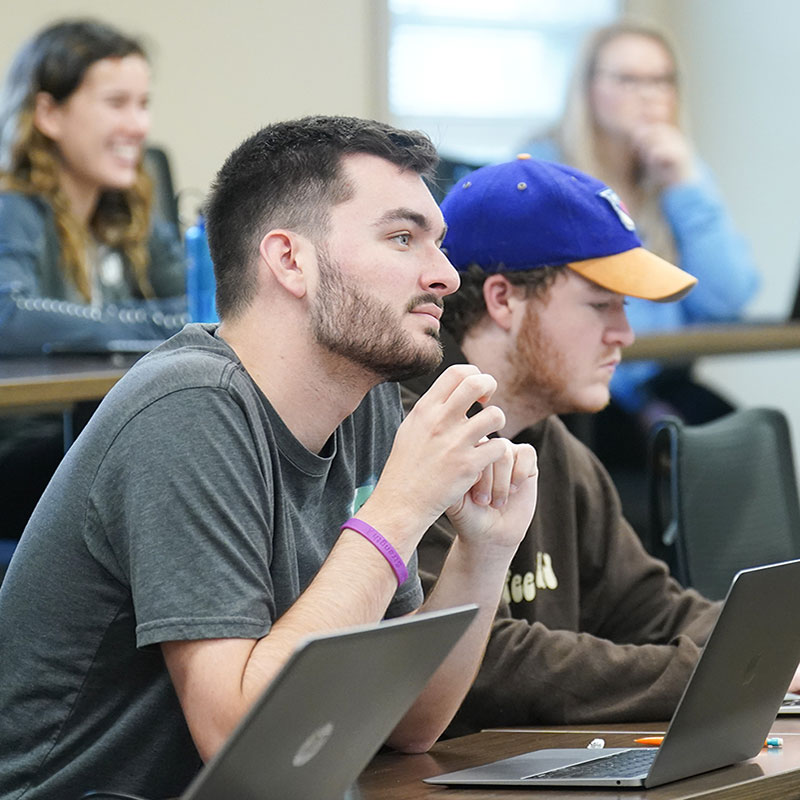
x,y
612,198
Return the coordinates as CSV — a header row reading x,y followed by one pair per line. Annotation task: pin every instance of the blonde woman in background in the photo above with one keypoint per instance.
x,y
81,261
623,124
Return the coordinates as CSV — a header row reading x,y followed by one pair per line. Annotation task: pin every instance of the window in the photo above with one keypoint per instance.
x,y
481,76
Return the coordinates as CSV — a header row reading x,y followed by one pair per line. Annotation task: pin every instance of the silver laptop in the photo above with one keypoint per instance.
x,y
790,706
329,710
750,656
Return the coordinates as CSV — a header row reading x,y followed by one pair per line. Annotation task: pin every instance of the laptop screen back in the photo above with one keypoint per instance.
x,y
329,710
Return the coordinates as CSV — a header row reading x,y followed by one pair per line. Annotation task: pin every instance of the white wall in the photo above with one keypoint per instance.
x,y
224,69
742,69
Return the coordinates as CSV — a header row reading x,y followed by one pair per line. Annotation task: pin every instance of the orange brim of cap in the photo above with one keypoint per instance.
x,y
637,273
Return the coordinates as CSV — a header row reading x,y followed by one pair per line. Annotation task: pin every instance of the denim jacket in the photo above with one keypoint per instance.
x,y
38,307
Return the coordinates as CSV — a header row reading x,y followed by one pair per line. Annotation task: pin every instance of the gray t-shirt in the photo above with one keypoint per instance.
x,y
186,510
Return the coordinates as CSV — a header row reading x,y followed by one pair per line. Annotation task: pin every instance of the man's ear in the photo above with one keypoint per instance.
x,y
47,115
286,255
504,301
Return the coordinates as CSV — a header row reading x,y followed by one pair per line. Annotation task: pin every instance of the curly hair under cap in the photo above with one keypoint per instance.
x,y
55,61
467,307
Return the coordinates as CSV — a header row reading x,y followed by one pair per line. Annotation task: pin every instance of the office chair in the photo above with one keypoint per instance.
x,y
723,496
165,201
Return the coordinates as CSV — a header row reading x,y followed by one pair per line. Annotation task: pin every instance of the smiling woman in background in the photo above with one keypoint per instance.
x,y
623,124
75,207
81,261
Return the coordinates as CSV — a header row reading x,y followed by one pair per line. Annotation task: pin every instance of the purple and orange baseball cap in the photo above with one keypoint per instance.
x,y
527,214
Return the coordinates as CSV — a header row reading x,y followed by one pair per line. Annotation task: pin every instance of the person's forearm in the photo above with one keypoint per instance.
x,y
354,586
218,682
468,576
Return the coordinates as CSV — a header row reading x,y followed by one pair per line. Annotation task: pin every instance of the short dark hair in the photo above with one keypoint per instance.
x,y
467,307
288,175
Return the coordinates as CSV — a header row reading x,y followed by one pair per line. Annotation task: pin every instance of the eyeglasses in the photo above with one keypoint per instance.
x,y
629,82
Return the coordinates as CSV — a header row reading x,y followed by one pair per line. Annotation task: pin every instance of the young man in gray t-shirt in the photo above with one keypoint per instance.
x,y
191,537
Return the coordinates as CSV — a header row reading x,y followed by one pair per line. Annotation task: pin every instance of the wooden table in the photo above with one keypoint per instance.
x,y
773,774
59,381
695,341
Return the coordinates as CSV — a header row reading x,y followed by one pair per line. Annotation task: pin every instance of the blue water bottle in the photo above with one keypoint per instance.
x,y
200,284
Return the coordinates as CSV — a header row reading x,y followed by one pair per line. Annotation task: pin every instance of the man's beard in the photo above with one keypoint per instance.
x,y
354,325
540,371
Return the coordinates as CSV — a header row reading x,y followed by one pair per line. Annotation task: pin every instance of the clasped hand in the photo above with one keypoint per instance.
x,y
665,153
443,460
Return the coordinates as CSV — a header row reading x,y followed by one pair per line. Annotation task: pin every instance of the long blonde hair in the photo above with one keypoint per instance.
x,y
55,61
576,133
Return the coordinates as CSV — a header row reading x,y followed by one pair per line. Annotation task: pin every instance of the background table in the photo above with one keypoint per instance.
x,y
59,380
695,341
58,384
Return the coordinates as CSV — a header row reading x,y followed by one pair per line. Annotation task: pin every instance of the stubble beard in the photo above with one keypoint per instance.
x,y
540,370
354,325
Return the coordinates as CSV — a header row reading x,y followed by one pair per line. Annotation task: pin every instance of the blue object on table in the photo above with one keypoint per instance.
x,y
7,547
200,284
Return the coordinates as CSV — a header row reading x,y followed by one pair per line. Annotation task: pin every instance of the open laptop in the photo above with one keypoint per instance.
x,y
724,715
329,710
790,706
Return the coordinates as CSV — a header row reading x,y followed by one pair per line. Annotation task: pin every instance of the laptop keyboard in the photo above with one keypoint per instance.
x,y
791,700
619,765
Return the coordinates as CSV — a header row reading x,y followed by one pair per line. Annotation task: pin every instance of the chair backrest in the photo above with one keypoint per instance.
x,y
723,496
165,202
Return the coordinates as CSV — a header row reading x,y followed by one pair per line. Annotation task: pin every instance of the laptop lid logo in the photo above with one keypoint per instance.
x,y
313,744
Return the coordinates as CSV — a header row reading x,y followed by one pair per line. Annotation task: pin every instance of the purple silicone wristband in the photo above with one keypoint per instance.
x,y
386,550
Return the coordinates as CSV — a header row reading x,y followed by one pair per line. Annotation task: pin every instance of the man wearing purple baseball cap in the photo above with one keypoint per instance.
x,y
591,628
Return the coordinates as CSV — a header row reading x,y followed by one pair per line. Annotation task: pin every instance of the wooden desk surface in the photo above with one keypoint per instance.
x,y
692,342
60,380
773,774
